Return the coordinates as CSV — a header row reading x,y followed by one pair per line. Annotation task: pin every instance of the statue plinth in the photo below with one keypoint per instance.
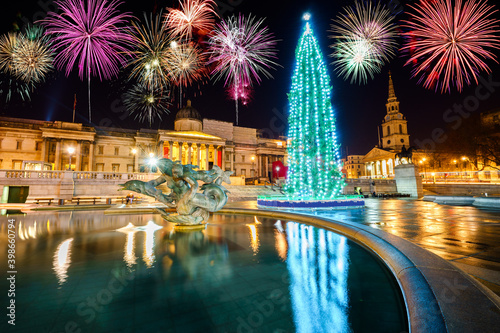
x,y
188,228
408,180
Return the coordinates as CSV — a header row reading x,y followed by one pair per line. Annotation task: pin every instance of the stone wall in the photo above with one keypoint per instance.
x,y
463,189
380,186
222,129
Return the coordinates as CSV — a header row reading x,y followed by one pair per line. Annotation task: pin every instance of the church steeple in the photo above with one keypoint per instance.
x,y
394,125
392,104
392,94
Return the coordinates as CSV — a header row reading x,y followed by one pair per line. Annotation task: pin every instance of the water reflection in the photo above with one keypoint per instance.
x,y
318,267
148,255
194,255
280,242
62,260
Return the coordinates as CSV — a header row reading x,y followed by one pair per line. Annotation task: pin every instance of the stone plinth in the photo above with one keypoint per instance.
x,y
408,180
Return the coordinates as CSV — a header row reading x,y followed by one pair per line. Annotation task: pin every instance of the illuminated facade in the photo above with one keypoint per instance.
x,y
35,144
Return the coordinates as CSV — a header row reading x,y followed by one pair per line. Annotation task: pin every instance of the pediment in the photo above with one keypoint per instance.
x,y
377,153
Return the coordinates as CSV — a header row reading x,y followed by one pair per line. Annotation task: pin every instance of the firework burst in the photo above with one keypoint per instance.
x,y
32,57
88,33
242,50
151,43
9,84
355,59
186,63
448,44
147,103
194,15
8,44
364,40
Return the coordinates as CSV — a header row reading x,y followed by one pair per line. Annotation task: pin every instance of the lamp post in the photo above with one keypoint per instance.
x,y
464,158
422,161
71,150
134,151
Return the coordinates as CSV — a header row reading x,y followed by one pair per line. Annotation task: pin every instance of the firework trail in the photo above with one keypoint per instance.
x,y
89,34
242,50
151,45
448,44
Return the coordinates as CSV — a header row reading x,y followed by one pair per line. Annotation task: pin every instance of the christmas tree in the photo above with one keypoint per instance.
x,y
314,169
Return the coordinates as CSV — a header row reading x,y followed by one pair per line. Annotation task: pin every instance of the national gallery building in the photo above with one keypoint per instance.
x,y
56,145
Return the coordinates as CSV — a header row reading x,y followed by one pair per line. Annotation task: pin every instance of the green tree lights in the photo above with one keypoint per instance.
x,y
313,153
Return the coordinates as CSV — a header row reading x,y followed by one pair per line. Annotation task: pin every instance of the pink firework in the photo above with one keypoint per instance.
x,y
197,15
242,50
449,44
89,33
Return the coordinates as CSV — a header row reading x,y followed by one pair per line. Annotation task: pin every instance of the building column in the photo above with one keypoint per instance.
x,y
266,160
171,150
223,154
180,144
190,152
231,158
259,167
198,155
159,149
207,147
57,160
78,156
216,156
44,151
91,158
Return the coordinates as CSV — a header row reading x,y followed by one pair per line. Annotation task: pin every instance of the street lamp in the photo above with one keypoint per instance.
x,y
71,150
152,161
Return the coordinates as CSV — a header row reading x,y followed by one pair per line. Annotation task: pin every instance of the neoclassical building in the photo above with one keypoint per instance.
x,y
57,145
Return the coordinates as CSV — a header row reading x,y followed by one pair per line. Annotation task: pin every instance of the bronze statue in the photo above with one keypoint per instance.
x,y
405,153
193,208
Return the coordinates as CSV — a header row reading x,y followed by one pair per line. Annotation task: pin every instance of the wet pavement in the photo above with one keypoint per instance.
x,y
468,237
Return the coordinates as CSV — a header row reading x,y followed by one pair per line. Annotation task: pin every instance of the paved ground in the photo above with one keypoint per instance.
x,y
468,237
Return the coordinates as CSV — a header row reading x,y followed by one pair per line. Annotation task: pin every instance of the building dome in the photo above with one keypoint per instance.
x,y
188,119
188,112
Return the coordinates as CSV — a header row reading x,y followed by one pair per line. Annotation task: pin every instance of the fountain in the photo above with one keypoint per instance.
x,y
193,208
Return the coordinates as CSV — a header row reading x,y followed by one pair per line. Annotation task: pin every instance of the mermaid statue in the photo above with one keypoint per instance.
x,y
193,208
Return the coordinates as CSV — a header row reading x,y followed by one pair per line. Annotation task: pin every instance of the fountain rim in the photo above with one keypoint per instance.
x,y
417,271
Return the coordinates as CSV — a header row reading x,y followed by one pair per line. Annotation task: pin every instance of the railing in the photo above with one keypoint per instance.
x,y
76,175
30,174
274,187
85,175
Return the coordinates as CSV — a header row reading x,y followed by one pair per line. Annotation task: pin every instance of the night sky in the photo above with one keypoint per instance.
x,y
359,109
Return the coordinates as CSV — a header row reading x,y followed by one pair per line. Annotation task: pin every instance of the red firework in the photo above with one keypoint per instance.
x,y
449,44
